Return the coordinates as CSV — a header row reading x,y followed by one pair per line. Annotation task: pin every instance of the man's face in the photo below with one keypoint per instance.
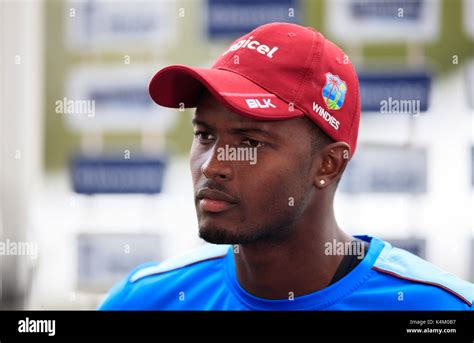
x,y
244,201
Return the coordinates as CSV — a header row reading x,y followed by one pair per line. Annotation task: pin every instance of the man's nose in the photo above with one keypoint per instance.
x,y
216,167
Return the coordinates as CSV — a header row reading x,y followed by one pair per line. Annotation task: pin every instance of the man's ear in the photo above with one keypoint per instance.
x,y
332,161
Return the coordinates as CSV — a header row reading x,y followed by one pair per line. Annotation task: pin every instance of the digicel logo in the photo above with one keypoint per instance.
x,y
253,45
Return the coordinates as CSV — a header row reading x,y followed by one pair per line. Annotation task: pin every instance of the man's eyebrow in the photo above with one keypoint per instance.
x,y
238,130
201,123
257,130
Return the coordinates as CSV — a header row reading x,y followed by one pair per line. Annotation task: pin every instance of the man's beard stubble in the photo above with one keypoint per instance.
x,y
272,234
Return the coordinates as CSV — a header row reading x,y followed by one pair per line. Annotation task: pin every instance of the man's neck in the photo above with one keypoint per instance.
x,y
294,267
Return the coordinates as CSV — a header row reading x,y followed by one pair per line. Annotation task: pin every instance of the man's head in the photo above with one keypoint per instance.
x,y
238,202
282,96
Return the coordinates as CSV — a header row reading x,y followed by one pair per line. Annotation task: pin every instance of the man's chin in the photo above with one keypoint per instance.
x,y
216,236
222,236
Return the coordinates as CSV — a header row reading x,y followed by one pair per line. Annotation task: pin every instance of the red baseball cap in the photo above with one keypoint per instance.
x,y
277,71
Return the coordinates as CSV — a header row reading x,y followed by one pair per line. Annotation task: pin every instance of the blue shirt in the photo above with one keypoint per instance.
x,y
387,278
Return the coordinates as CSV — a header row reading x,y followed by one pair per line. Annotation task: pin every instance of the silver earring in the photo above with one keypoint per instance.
x,y
322,182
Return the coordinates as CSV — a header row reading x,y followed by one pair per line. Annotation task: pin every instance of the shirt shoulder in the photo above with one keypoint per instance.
x,y
420,284
153,285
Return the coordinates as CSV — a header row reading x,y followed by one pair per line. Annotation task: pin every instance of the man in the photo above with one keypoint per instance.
x,y
276,123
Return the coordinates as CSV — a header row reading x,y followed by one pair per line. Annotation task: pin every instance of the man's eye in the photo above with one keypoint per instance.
x,y
253,143
203,136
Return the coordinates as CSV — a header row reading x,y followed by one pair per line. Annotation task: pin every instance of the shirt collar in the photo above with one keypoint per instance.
x,y
316,300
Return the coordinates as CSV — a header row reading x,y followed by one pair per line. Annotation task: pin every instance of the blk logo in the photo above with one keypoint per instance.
x,y
256,103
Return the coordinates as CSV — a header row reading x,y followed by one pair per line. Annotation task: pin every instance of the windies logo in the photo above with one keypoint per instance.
x,y
334,91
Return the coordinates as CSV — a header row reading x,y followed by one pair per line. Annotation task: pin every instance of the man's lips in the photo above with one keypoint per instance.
x,y
211,200
209,205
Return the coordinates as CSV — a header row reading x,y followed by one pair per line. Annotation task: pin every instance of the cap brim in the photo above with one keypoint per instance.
x,y
180,86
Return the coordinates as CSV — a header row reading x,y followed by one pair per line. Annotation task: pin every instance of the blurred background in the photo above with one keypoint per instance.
x,y
94,177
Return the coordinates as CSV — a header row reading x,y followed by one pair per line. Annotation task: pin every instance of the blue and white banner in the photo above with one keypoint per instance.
x,y
120,25
386,169
112,98
388,93
357,21
230,18
104,259
115,174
